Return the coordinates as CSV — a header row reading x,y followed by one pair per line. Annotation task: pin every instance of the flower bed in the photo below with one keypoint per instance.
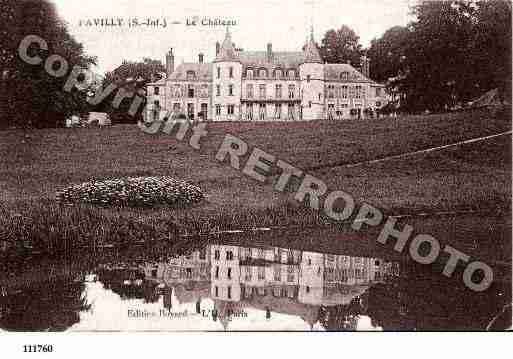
x,y
133,192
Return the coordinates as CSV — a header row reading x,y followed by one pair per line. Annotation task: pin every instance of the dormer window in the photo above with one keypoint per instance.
x,y
263,73
292,73
249,74
156,90
278,74
344,76
191,75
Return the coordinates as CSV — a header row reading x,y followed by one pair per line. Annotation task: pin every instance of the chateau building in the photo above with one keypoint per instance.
x,y
263,86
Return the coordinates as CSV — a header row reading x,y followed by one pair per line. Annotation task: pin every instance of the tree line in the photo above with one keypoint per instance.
x,y
451,53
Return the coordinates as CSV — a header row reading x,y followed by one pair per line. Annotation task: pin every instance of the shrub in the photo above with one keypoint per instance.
x,y
133,192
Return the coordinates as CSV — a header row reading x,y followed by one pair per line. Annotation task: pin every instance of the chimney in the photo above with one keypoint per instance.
x,y
170,62
200,58
269,51
218,48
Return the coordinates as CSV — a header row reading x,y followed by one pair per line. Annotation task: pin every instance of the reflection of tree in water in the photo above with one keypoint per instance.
x,y
45,306
129,284
341,317
424,299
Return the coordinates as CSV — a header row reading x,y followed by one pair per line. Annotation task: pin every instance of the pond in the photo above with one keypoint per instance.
x,y
244,285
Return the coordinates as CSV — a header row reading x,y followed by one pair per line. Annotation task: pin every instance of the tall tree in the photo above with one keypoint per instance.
x,y
340,46
29,95
131,77
387,53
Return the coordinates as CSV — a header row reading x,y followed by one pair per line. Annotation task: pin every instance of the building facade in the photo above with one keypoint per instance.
x,y
263,86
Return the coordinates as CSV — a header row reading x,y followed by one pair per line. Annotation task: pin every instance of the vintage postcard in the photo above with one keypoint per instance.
x,y
320,165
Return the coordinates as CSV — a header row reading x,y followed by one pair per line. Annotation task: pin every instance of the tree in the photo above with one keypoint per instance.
x,y
131,77
452,53
29,95
340,46
387,53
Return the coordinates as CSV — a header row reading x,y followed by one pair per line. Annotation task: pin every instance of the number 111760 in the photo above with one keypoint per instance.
x,y
38,348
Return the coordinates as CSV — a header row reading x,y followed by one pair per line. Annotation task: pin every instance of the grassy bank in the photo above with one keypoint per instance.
x,y
35,164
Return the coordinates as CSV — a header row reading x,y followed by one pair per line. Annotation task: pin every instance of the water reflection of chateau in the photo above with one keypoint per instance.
x,y
269,278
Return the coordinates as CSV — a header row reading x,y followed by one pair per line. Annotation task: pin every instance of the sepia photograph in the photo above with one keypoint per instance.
x,y
272,166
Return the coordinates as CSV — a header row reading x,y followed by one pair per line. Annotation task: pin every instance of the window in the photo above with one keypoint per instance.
x,y
344,91
262,91
229,274
331,91
229,292
292,73
351,91
378,91
156,90
278,74
277,111
216,291
230,71
217,273
307,289
218,72
188,272
291,111
177,91
249,74
263,73
218,90
231,111
249,90
261,273
218,113
229,254
278,91
203,254
358,93
308,77
247,275
249,111
176,107
344,76
261,253
191,75
292,90
320,96
277,273
230,90
204,112
263,111
190,91
310,104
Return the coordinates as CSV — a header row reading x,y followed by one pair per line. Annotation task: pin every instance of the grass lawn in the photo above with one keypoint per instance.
x,y
35,164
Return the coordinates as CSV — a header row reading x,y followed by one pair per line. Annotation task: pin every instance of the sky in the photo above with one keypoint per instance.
x,y
284,23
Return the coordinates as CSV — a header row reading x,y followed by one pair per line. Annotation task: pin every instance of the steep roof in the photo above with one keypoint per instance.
x,y
227,51
311,52
283,59
202,71
336,71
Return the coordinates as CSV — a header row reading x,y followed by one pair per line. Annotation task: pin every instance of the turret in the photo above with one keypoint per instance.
x,y
311,72
170,62
227,78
